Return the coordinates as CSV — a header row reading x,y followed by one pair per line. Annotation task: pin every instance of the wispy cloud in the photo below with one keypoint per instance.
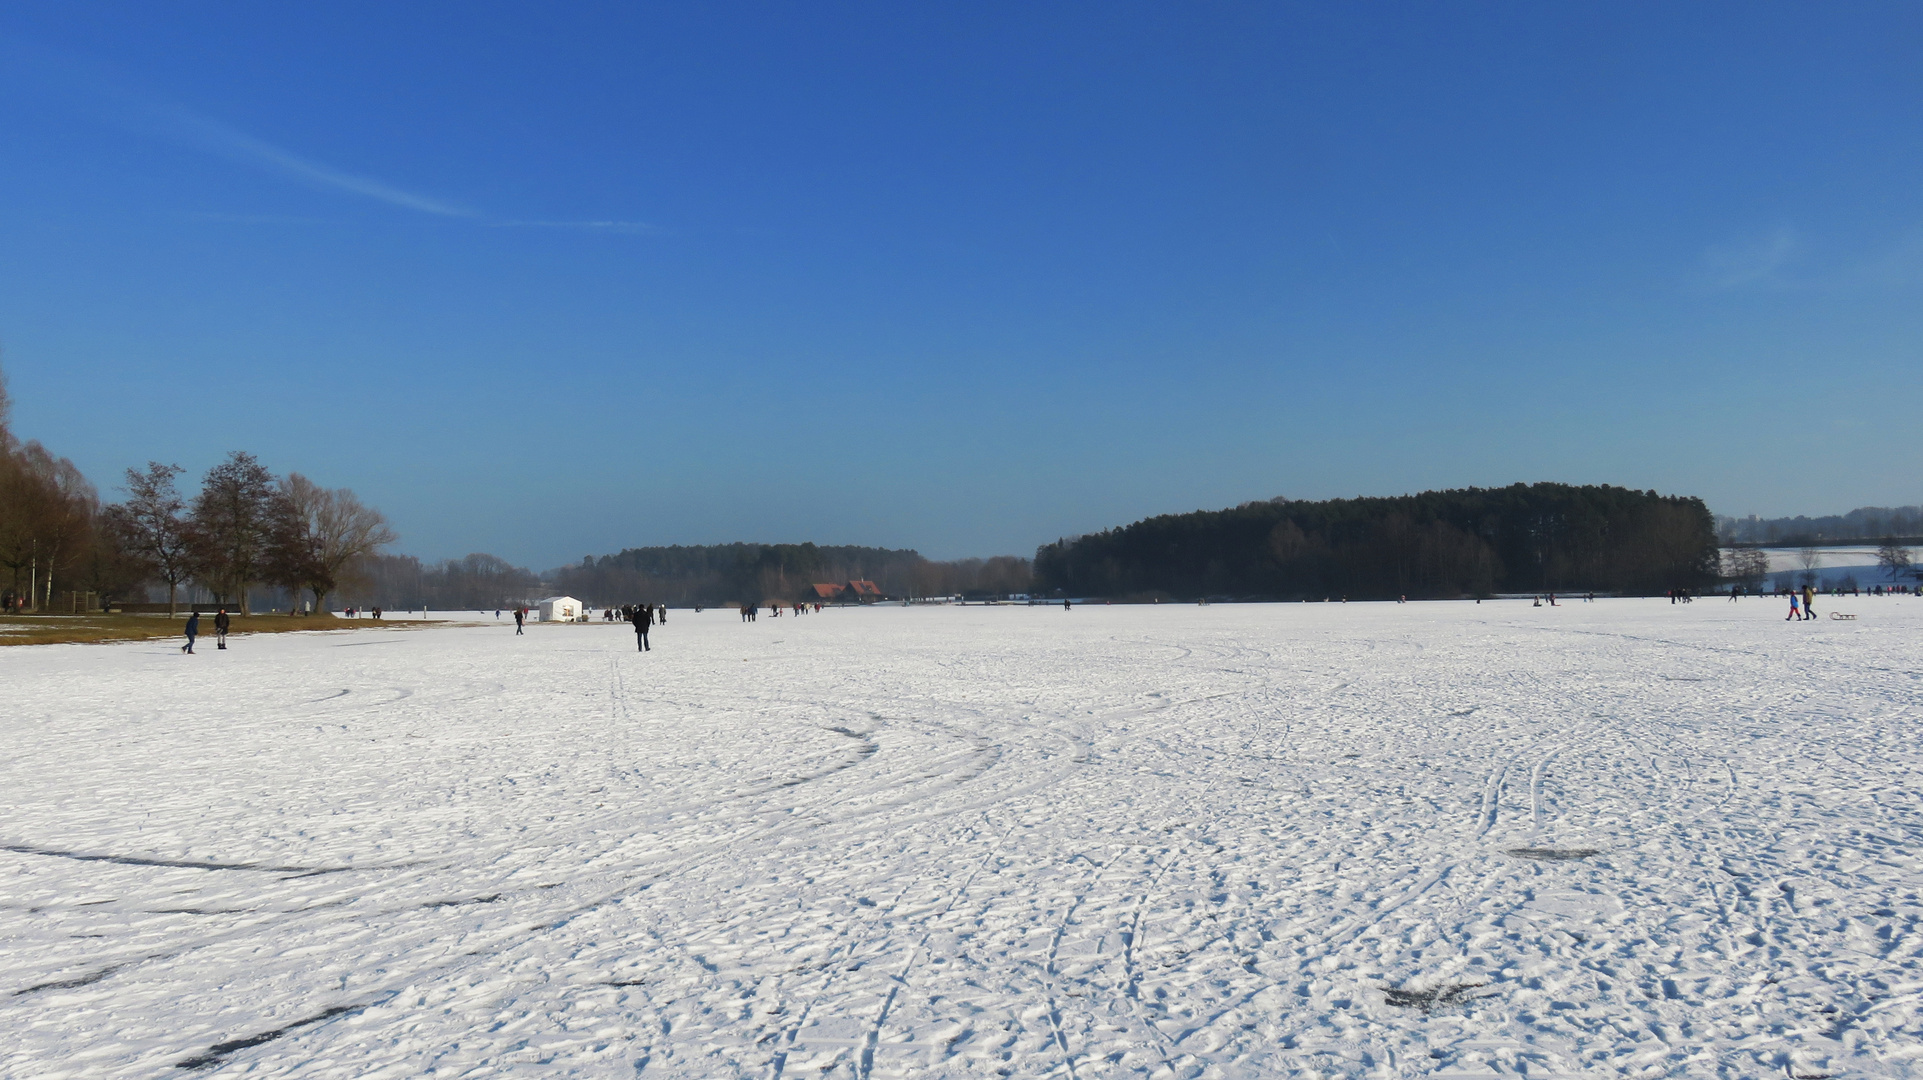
x,y
631,227
97,89
100,90
1783,259
206,133
1756,261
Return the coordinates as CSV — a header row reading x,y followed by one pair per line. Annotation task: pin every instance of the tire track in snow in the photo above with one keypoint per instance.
x,y
337,910
1491,800
1131,969
790,1036
1049,972
521,936
1535,789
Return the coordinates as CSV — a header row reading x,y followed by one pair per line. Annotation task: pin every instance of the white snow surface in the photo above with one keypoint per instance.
x,y
1224,841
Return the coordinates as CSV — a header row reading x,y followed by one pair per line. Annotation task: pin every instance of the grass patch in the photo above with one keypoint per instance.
x,y
95,629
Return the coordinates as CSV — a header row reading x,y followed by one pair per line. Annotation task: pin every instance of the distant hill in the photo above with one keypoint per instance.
x,y
1862,523
1474,541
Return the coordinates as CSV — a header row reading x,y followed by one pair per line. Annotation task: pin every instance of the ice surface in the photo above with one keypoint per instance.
x,y
1625,838
1836,566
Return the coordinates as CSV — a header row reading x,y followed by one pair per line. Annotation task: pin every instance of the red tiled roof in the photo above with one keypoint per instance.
x,y
865,588
829,592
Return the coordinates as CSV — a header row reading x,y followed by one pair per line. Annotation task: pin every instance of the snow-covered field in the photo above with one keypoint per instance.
x,y
1614,839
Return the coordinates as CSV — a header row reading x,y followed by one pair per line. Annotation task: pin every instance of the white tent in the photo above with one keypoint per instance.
x,y
559,609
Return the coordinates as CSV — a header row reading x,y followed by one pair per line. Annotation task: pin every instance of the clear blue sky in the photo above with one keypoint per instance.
x,y
552,280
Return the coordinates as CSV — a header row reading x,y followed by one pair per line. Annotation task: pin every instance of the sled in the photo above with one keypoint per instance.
x,y
1840,616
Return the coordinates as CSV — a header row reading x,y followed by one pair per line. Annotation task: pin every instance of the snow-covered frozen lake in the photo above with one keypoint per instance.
x,y
1848,566
1626,838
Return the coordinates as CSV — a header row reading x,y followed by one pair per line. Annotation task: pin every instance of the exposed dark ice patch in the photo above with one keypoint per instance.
x,y
178,864
489,899
219,1052
68,984
1433,998
1547,854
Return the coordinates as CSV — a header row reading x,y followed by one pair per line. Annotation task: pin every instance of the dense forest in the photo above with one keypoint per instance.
x,y
1470,542
1862,523
759,573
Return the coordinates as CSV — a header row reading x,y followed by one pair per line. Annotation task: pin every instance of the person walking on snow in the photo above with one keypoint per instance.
x,y
643,615
193,631
1809,602
520,619
221,623
1795,607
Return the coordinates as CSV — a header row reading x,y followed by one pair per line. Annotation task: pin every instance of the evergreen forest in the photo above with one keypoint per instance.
x,y
1524,538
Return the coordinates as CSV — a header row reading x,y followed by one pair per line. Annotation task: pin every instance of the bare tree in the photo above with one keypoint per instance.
x,y
47,512
1893,557
1809,559
113,565
157,528
1746,565
230,526
323,532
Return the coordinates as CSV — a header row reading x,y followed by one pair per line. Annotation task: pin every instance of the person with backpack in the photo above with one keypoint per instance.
x,y
221,623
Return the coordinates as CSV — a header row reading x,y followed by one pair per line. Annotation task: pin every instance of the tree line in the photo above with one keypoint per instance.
x,y
1468,542
244,528
1881,523
716,574
475,582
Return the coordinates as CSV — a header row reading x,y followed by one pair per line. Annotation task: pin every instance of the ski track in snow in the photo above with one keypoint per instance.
x,y
1160,841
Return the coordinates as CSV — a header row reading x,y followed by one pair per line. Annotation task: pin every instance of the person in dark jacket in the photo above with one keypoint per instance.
x,y
643,615
193,631
520,618
221,623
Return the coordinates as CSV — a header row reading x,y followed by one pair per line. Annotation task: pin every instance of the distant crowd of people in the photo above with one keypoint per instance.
x,y
1550,599
749,612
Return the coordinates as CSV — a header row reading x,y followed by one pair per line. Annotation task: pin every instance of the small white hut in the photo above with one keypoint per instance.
x,y
559,609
